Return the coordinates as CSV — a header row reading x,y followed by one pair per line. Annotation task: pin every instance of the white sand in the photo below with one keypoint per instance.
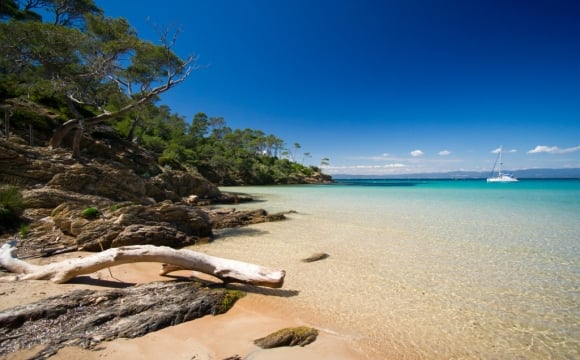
x,y
211,337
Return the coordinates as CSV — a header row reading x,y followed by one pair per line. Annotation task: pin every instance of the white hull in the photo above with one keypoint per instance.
x,y
502,179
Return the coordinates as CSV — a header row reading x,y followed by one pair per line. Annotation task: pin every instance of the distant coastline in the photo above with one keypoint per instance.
x,y
565,173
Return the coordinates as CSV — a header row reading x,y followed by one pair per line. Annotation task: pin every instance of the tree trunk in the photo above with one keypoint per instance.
x,y
134,124
61,132
77,140
61,272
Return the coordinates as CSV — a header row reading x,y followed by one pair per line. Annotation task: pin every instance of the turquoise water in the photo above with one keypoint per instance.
x,y
432,268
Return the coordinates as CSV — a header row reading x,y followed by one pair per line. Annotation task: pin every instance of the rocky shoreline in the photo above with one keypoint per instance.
x,y
120,197
104,203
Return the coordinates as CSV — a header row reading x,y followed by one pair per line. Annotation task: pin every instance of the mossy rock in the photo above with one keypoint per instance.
x,y
296,336
229,299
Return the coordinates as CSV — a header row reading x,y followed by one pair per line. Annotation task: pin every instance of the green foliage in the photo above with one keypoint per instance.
x,y
90,213
79,64
10,9
11,206
24,230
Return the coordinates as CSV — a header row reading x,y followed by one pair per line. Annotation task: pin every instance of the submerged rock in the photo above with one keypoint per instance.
x,y
315,257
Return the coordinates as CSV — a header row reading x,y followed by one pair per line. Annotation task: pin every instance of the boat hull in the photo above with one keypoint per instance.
x,y
502,179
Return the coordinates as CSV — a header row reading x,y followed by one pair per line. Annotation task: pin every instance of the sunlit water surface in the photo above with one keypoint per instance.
x,y
426,269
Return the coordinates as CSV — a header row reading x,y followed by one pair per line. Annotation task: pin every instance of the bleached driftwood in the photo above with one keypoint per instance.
x,y
62,271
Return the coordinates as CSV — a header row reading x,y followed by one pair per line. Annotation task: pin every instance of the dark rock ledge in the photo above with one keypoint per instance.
x,y
86,318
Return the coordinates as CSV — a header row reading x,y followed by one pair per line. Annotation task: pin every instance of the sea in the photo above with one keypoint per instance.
x,y
425,269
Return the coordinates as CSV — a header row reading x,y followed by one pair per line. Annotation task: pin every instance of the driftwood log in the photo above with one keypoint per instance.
x,y
60,272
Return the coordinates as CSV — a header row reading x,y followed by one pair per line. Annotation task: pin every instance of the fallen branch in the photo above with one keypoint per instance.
x,y
60,272
57,251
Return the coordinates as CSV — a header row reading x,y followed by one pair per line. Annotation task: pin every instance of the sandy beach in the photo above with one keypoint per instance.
x,y
211,337
413,273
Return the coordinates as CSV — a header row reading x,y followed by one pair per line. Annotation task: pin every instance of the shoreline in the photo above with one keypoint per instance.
x,y
210,337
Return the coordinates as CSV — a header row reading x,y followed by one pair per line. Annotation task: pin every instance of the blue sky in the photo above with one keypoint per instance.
x,y
384,86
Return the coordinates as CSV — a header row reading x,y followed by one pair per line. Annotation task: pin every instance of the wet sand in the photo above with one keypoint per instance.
x,y
211,337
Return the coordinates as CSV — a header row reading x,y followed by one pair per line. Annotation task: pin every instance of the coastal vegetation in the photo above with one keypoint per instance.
x,y
11,206
90,213
67,72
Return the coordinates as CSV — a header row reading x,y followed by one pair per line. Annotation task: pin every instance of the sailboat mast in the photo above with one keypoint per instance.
x,y
500,161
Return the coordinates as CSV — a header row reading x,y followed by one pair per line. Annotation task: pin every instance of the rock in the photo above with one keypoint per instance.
x,y
315,257
26,166
49,198
221,218
153,235
86,318
300,336
165,224
190,200
102,179
188,219
137,201
124,172
184,184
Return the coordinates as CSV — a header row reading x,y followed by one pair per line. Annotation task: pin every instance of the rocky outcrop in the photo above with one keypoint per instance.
x,y
112,178
120,224
176,185
134,200
123,184
230,218
50,198
28,166
63,222
86,318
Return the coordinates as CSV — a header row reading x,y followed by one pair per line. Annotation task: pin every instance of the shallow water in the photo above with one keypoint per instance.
x,y
427,269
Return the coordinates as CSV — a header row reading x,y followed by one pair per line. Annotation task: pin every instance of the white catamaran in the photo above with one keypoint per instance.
x,y
501,176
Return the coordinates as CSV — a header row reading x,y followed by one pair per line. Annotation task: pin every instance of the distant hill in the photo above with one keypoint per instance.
x,y
567,173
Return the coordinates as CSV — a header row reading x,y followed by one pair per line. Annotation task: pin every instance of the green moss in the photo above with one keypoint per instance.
x,y
121,205
90,213
229,299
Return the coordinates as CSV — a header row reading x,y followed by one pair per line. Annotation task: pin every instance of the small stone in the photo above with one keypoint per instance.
x,y
316,257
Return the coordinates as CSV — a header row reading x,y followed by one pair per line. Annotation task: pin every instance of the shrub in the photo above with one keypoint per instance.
x,y
11,206
90,213
24,229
